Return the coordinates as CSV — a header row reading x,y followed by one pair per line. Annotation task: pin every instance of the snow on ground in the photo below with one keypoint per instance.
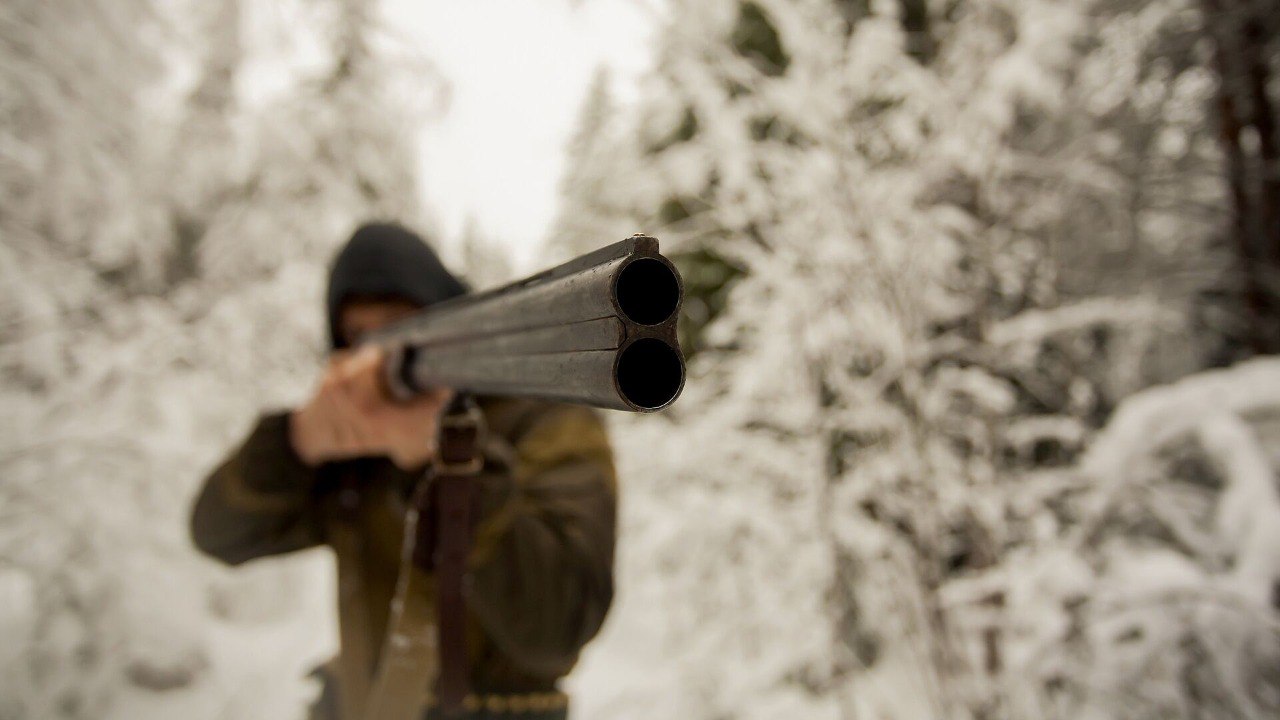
x,y
256,669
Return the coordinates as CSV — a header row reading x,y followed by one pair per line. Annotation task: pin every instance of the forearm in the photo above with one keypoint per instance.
x,y
542,595
259,501
542,571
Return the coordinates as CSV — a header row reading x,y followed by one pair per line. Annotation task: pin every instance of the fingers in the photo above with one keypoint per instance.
x,y
339,438
354,432
360,377
356,418
344,401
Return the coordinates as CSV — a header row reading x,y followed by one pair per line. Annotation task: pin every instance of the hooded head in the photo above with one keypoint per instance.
x,y
384,261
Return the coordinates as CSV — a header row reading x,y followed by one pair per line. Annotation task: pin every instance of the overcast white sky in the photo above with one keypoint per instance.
x,y
519,70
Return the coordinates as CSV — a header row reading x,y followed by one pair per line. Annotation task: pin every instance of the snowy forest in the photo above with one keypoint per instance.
x,y
982,318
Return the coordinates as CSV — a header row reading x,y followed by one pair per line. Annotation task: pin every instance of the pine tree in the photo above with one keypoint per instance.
x,y
1245,52
70,230
595,216
484,262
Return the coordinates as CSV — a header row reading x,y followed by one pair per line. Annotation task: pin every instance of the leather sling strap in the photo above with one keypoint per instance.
x,y
420,649
460,461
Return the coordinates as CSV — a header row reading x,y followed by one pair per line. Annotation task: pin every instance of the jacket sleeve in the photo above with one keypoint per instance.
x,y
259,501
541,574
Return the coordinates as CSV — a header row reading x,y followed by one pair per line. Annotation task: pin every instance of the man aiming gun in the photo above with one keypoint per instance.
x,y
342,469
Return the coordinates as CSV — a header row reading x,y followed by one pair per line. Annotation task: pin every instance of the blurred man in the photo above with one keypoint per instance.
x,y
339,471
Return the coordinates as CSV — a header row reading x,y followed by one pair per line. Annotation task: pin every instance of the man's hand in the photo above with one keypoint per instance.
x,y
350,416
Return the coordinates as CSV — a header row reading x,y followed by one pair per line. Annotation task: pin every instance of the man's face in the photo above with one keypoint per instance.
x,y
358,318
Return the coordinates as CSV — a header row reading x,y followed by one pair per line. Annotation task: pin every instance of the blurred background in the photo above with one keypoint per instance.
x,y
983,417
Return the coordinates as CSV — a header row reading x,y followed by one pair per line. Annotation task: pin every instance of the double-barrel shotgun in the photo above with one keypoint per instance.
x,y
598,330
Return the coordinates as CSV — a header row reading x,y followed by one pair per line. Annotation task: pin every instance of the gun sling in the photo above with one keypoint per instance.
x,y
423,655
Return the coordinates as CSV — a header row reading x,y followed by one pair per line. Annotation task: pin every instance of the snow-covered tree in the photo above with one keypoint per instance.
x,y
165,241
593,210
483,261
941,242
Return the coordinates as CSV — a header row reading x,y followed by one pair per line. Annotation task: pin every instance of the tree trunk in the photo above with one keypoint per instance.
x,y
1245,53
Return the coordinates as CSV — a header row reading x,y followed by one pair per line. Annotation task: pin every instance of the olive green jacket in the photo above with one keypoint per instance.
x,y
540,575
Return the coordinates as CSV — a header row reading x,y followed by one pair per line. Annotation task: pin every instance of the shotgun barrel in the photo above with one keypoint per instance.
x,y
598,330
